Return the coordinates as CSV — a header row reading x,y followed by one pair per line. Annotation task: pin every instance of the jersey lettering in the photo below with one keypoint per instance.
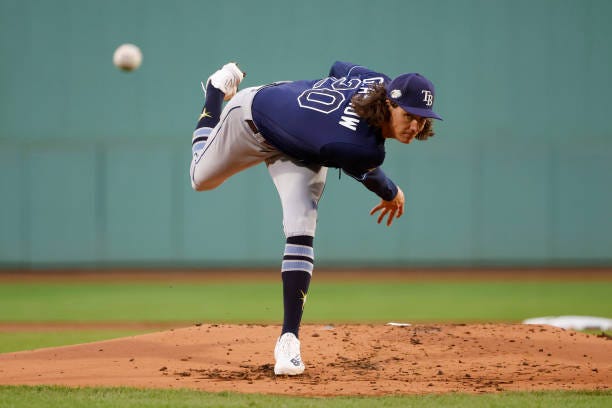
x,y
347,121
326,96
344,84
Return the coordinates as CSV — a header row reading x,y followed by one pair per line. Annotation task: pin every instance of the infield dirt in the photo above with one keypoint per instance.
x,y
340,360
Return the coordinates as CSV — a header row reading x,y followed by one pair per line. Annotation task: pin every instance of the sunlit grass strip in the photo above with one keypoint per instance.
x,y
261,302
62,397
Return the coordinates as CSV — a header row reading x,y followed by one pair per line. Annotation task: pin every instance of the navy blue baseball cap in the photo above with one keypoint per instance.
x,y
414,93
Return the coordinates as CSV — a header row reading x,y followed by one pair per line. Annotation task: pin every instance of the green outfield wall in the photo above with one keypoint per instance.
x,y
94,162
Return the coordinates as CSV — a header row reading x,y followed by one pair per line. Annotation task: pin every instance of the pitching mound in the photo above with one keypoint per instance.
x,y
340,360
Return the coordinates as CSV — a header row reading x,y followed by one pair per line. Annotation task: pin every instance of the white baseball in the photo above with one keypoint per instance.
x,y
127,57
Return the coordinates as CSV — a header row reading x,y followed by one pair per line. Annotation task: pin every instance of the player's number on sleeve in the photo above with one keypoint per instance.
x,y
325,96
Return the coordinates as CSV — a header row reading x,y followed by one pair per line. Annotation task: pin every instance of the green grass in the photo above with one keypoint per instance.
x,y
327,302
60,397
16,341
261,302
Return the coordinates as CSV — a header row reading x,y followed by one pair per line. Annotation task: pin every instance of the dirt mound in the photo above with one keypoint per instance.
x,y
340,360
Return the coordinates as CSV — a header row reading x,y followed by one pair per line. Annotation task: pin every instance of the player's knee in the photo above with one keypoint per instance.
x,y
196,186
303,224
204,184
202,180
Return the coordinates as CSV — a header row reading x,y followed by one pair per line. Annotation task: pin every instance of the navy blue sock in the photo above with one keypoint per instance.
x,y
298,263
211,113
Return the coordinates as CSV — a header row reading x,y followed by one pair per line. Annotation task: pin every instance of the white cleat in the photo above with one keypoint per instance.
x,y
227,80
287,355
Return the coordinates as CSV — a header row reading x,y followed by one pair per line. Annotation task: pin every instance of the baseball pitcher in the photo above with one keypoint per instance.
x,y
299,129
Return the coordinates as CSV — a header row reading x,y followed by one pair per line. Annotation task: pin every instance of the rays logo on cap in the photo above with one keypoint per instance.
x,y
413,93
428,98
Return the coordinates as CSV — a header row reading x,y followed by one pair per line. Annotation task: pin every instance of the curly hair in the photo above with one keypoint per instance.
x,y
373,108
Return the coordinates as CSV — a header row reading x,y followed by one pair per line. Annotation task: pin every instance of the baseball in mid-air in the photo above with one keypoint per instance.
x,y
127,57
